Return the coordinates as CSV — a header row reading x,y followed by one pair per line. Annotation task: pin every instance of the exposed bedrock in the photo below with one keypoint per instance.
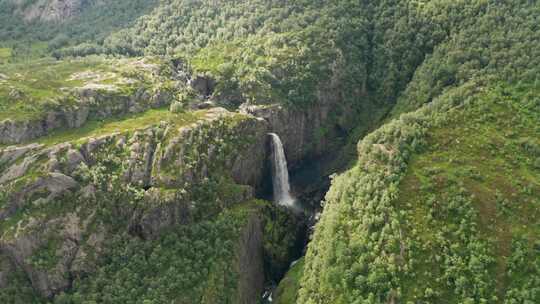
x,y
88,103
250,262
50,10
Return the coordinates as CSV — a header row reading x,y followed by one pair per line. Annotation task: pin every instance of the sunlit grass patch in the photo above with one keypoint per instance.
x,y
128,123
5,54
29,89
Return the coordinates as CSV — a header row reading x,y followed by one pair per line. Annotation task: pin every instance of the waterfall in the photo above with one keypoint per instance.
x,y
280,174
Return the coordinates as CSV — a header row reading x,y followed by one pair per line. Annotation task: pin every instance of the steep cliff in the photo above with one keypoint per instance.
x,y
51,10
164,158
250,262
58,209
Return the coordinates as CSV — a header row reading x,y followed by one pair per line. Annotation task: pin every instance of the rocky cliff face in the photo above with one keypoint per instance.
x,y
128,86
51,10
91,104
311,131
250,262
165,159
299,130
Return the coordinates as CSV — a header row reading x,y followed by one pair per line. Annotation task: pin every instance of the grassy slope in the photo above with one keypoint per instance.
x,y
483,158
29,86
28,89
127,123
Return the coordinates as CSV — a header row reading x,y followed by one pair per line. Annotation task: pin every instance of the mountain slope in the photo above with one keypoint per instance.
x,y
442,207
406,226
429,233
38,27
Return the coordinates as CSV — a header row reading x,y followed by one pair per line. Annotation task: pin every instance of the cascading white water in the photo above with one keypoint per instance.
x,y
280,173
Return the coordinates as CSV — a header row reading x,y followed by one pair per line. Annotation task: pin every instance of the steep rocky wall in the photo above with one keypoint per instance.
x,y
50,10
250,262
168,160
305,133
312,130
298,129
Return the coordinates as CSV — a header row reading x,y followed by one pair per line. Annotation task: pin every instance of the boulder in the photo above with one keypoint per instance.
x,y
54,183
204,85
73,159
17,170
11,154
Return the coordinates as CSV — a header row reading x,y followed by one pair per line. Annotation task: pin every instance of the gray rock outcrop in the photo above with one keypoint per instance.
x,y
53,10
90,103
158,158
250,262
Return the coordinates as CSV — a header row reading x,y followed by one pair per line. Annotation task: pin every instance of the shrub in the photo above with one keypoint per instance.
x,y
176,107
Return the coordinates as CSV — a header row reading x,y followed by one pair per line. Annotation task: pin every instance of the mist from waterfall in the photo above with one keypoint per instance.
x,y
280,174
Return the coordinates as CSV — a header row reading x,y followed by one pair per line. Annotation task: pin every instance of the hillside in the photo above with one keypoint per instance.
x,y
136,166
442,204
34,28
442,207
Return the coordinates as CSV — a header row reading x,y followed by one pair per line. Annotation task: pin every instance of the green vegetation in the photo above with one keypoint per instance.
x,y
442,205
123,124
30,90
282,240
5,55
287,291
439,196
18,290
265,52
190,263
472,200
437,226
498,44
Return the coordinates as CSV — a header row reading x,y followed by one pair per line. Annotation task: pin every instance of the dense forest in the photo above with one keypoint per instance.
x,y
433,105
